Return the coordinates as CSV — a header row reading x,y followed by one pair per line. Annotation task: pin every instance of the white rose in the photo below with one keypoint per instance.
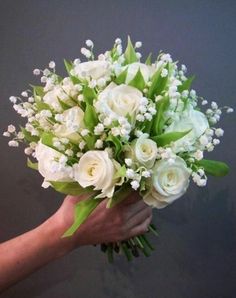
x,y
170,181
51,98
145,151
95,168
190,119
119,100
47,166
72,122
93,69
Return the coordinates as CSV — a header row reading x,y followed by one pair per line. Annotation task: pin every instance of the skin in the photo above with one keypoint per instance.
x,y
28,252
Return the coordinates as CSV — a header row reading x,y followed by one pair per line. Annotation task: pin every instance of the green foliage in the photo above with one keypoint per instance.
x,y
138,81
38,91
158,83
90,117
90,140
149,59
32,165
158,121
117,143
166,138
120,79
121,172
186,84
27,135
63,105
47,139
69,66
82,211
70,188
89,95
213,167
130,54
123,192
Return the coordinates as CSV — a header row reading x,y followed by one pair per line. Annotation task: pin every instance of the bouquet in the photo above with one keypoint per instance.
x,y
115,125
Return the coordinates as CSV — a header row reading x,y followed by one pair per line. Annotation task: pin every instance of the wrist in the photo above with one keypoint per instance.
x,y
51,232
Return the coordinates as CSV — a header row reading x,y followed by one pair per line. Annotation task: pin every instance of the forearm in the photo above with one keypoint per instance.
x,y
28,252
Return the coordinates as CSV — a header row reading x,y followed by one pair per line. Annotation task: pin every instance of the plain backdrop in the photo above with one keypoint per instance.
x,y
195,253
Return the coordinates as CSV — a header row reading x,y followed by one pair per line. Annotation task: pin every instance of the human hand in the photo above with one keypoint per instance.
x,y
127,219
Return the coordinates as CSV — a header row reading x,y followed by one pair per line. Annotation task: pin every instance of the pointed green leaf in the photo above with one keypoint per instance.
x,y
63,105
90,117
138,81
47,139
38,90
186,84
121,172
149,59
32,165
130,54
213,167
27,135
69,65
82,211
158,121
121,78
124,191
89,94
158,83
118,145
90,140
70,188
166,138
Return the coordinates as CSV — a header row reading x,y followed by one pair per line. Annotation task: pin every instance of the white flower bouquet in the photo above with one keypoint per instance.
x,y
115,125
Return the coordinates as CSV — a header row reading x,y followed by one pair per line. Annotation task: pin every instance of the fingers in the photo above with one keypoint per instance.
x,y
139,217
141,228
133,209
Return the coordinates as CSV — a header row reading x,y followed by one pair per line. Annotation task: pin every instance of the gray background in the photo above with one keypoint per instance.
x,y
196,252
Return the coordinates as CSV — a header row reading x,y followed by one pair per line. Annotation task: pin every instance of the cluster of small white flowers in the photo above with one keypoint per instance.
x,y
199,177
167,154
146,110
58,144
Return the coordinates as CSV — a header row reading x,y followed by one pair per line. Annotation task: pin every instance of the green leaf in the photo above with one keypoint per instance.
x,y
213,167
159,119
38,90
115,141
40,105
47,139
124,191
166,138
69,65
158,83
90,117
89,95
186,84
149,59
138,81
63,105
27,135
32,165
70,188
130,54
120,79
90,140
121,172
82,211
